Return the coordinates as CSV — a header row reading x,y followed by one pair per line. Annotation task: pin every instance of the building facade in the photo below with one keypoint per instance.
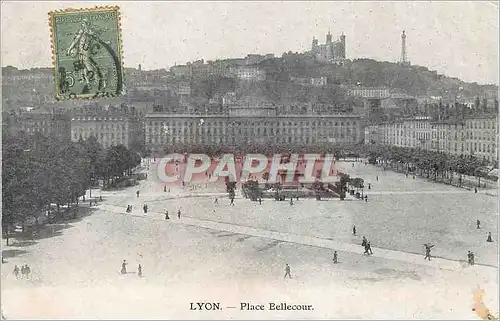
x,y
251,72
331,51
166,132
472,135
481,137
412,132
49,124
110,129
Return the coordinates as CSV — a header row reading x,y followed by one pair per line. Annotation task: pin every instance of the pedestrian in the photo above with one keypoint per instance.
x,y
489,237
137,193
354,230
28,271
413,176
165,188
366,198
406,174
139,271
469,258
23,271
260,201
377,178
369,245
291,200
90,203
232,201
367,250
16,271
364,241
145,208
335,257
369,186
472,258
216,201
478,223
287,271
297,198
428,248
124,267
475,189
166,215
179,213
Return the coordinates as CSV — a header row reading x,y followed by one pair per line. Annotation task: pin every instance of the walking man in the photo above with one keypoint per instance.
x,y
367,249
489,239
335,257
124,267
28,271
137,193
428,248
139,271
369,246
16,271
469,258
287,271
260,201
354,230
179,213
364,242
216,201
232,201
377,178
166,215
478,223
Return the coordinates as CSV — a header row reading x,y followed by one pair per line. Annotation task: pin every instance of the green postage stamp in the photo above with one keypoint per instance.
x,y
87,52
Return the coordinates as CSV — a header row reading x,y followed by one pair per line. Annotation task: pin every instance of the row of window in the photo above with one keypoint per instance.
x,y
490,124
265,124
234,139
102,136
486,124
251,131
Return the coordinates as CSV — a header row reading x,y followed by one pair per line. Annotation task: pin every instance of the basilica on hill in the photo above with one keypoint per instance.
x,y
331,51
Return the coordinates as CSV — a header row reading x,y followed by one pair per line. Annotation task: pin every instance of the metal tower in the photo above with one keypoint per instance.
x,y
404,59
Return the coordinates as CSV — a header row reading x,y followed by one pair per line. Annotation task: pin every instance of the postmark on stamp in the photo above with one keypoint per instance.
x,y
87,52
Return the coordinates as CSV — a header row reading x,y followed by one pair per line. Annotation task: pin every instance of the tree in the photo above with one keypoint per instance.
x,y
252,189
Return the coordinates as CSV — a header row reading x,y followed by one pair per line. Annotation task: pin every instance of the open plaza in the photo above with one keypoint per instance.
x,y
229,255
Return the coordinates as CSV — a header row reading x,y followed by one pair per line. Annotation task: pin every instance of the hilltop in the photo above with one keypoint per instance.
x,y
26,86
413,80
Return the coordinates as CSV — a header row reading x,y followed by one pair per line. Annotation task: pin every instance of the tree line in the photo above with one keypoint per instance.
x,y
39,171
431,164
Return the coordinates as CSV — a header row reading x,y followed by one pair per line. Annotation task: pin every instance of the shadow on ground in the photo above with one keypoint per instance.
x,y
7,254
55,228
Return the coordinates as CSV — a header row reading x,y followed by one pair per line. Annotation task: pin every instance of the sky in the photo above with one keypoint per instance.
x,y
456,38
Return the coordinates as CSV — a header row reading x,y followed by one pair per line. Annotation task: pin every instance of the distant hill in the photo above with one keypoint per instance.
x,y
413,80
36,84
